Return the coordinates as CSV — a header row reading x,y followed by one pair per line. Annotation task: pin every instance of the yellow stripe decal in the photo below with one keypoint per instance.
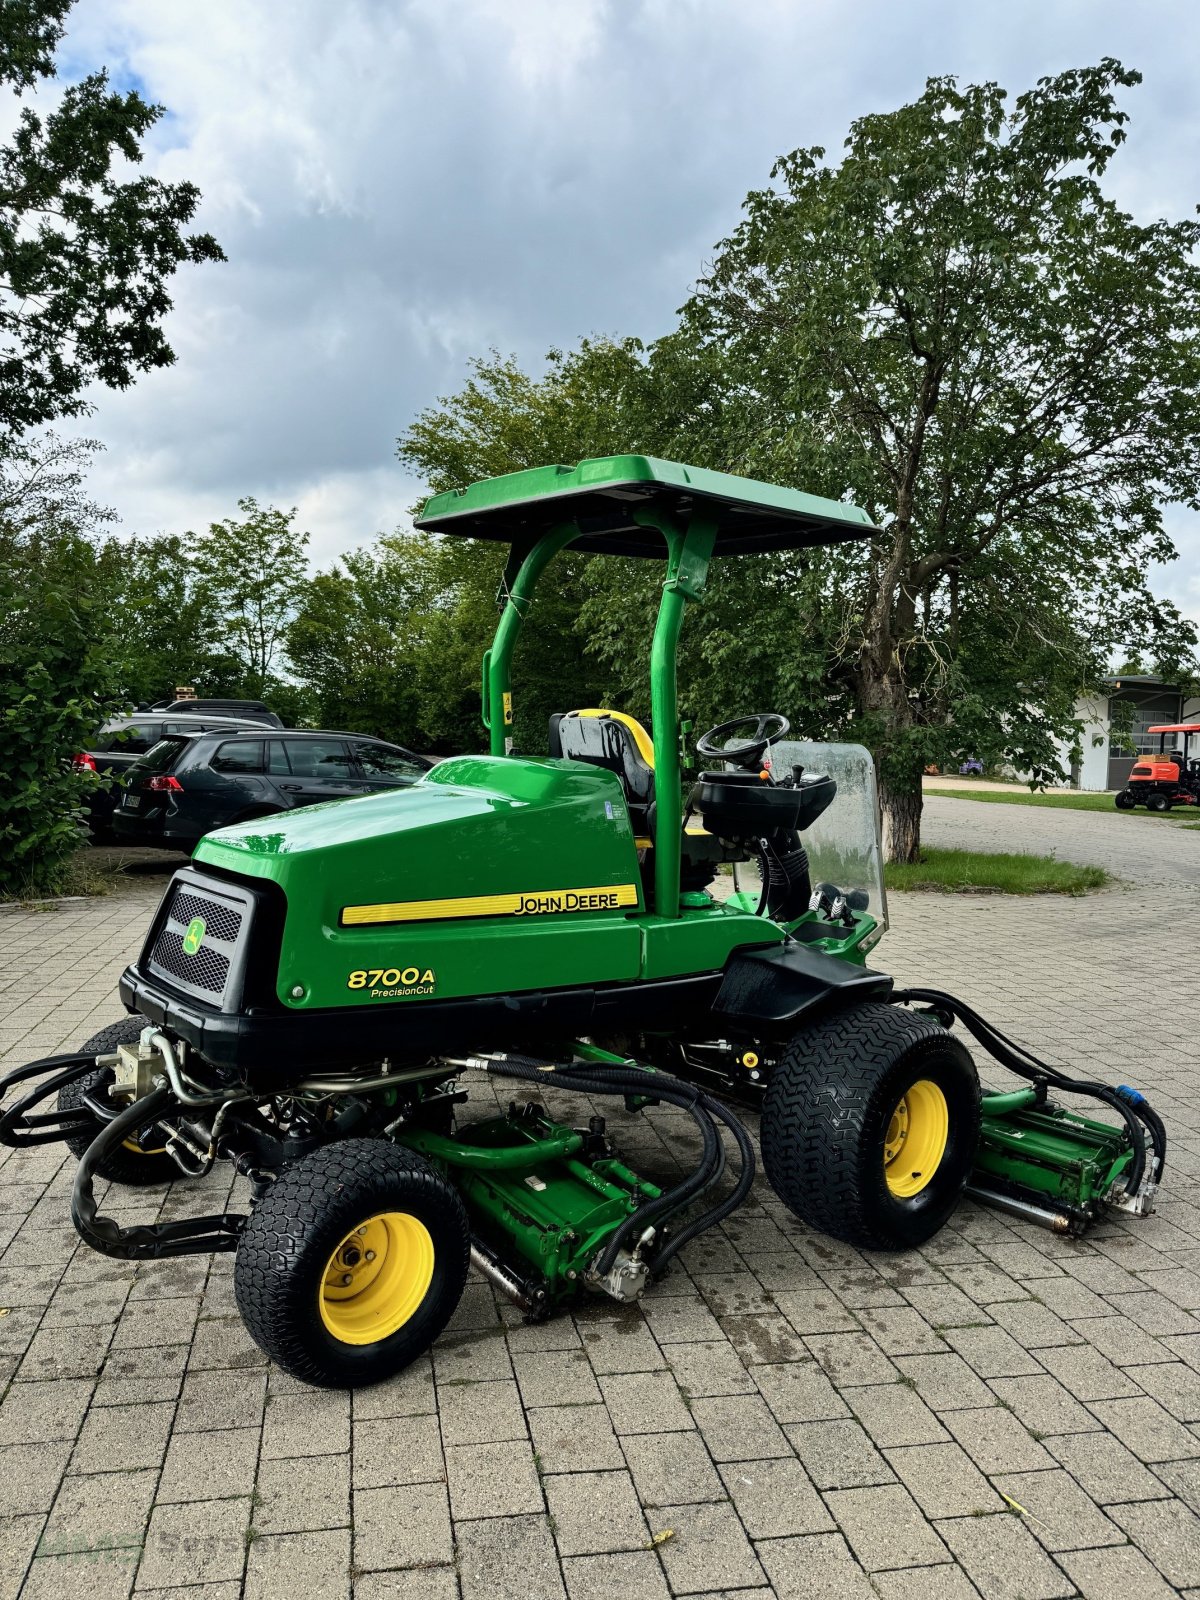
x,y
533,903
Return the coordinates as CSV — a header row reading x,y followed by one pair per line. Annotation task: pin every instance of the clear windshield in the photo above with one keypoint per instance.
x,y
845,844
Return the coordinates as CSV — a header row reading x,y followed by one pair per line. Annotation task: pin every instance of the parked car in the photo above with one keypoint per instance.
x,y
191,783
124,740
244,710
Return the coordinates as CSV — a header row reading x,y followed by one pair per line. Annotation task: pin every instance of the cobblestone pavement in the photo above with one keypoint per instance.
x,y
784,1417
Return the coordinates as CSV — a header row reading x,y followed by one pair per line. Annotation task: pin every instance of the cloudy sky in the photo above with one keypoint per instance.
x,y
400,184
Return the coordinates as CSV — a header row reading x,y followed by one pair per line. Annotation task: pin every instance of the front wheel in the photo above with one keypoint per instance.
x,y
1158,802
870,1126
1126,800
352,1263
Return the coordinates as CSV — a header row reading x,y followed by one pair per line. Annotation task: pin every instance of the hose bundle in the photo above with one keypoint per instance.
x,y
1130,1105
627,1078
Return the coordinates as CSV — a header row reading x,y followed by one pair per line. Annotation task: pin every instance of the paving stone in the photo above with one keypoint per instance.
x,y
1032,1325
303,1495
1105,1468
739,1428
575,1439
1061,1515
775,1498
945,1382
851,1359
991,1351
556,1377
1043,1405
765,1339
409,1394
812,1566
815,1311
35,1413
644,1402
677,1321
708,1549
282,1565
98,1513
204,1541
221,1400
1168,1533
943,1480
623,1345
312,1424
634,1575
424,1583
1149,1431
943,1306
76,1351
893,1414
1087,1374
481,1413
493,1480
388,1452
123,1438
838,1454
507,1558
901,1331
30,1477
1175,1386
996,1441
947,1582
594,1513
18,1540
711,1367
209,1466
671,1468
885,1527
222,1342
101,1574
1002,1558
402,1527
472,1357
1116,1574
799,1392
1117,1338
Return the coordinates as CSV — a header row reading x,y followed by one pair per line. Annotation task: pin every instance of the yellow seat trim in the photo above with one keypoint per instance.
x,y
641,738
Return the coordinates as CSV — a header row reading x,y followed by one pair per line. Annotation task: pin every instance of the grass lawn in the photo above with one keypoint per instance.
x,y
1071,800
981,872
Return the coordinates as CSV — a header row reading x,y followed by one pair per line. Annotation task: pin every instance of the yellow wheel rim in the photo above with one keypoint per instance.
x,y
376,1278
916,1137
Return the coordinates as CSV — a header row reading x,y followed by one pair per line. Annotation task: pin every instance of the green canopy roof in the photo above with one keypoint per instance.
x,y
603,496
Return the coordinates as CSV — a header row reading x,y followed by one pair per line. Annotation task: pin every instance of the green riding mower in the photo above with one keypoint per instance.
x,y
315,987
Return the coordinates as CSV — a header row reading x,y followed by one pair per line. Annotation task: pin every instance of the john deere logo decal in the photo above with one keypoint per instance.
x,y
194,937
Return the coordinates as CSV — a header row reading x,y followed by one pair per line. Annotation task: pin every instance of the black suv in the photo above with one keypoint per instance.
x,y
124,740
189,784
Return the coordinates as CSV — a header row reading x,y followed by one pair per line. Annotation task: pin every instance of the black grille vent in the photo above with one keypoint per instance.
x,y
207,969
220,922
199,946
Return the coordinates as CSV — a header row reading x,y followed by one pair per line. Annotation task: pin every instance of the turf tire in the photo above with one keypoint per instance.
x,y
1158,802
1126,800
123,1166
299,1222
826,1114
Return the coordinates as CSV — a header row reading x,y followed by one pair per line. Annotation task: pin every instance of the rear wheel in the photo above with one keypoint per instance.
x,y
352,1263
1158,802
870,1126
1126,800
131,1164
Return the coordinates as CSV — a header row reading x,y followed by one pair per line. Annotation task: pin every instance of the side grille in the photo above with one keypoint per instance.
x,y
199,938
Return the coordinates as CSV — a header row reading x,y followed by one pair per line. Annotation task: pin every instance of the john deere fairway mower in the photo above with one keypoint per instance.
x,y
314,986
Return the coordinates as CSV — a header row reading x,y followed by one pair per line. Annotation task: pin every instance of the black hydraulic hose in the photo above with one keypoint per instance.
x,y
615,1080
618,1078
1136,1115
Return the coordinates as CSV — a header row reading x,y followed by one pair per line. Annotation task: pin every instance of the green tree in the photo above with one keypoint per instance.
x,y
56,679
250,575
956,326
85,254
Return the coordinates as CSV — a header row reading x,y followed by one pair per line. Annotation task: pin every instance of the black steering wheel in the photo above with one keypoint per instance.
x,y
769,728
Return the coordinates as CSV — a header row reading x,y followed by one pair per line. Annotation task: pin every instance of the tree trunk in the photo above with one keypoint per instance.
x,y
901,806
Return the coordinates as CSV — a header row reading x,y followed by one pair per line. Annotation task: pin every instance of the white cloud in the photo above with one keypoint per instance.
x,y
401,183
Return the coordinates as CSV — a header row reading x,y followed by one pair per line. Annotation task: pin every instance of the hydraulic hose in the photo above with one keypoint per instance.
x,y
1133,1109
601,1079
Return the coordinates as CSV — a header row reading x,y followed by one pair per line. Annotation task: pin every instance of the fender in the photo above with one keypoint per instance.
x,y
771,991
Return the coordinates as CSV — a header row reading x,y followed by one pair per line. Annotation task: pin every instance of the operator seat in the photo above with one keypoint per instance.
x,y
618,742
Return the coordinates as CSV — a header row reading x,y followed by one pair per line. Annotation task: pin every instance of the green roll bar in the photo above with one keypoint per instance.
x,y
689,550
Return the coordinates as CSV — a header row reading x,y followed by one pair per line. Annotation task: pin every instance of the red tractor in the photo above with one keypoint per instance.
x,y
1170,778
